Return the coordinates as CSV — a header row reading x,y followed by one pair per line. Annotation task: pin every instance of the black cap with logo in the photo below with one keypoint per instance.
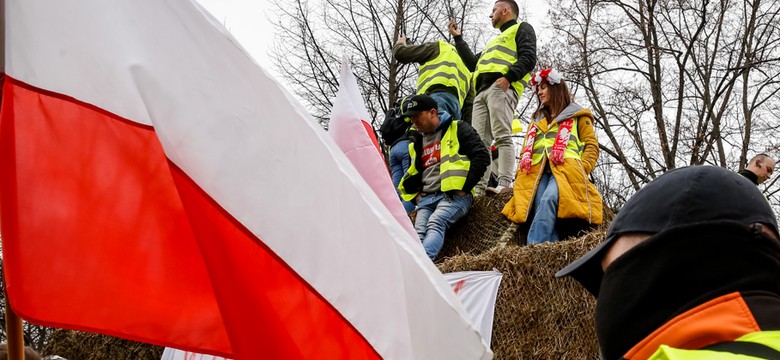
x,y
417,104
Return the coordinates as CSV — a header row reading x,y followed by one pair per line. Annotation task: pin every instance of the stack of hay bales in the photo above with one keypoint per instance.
x,y
76,345
537,315
483,228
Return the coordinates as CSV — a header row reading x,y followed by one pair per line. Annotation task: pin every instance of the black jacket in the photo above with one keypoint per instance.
x,y
749,175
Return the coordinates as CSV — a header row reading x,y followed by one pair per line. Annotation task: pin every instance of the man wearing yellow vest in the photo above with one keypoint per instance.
x,y
688,270
448,160
501,72
442,74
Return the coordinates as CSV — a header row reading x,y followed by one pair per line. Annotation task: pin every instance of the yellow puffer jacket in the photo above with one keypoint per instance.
x,y
578,197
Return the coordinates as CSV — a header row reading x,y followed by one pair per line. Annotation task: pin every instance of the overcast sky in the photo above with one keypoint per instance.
x,y
248,21
251,23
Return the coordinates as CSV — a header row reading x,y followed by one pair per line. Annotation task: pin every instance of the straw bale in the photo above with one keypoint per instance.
x,y
537,315
483,228
76,345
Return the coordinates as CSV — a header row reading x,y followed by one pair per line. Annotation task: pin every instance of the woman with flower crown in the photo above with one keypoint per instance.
x,y
559,152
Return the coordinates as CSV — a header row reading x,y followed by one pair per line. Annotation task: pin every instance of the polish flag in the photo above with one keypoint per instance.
x,y
176,354
350,110
158,186
477,290
355,137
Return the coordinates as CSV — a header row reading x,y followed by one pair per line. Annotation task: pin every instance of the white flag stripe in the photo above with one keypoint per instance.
x,y
348,131
239,136
477,290
176,354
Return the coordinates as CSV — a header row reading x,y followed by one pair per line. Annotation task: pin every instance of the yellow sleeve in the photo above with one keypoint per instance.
x,y
587,135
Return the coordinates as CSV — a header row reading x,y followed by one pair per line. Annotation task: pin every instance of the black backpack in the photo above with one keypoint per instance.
x,y
395,126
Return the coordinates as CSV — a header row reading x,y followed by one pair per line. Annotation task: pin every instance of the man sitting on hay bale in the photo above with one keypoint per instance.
x,y
688,270
448,160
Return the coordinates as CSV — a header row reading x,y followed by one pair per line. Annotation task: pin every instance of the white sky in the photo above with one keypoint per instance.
x,y
251,23
248,21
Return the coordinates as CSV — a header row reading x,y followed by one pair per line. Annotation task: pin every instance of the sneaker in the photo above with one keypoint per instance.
x,y
500,189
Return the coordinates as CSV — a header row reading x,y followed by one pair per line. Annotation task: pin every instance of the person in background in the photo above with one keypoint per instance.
x,y
395,134
759,169
448,159
501,72
559,152
442,74
688,270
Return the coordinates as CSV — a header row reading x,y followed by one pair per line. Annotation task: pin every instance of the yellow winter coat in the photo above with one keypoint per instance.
x,y
578,197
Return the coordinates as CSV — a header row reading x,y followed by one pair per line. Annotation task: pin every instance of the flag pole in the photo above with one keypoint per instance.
x,y
13,331
13,323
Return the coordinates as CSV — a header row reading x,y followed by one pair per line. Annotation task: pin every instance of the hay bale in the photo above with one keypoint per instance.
x,y
537,315
483,228
76,345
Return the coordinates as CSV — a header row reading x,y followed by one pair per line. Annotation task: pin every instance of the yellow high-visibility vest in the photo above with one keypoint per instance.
x,y
446,69
770,339
500,54
453,168
543,145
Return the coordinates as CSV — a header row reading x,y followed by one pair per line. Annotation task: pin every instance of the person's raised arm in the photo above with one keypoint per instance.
x,y
468,57
414,53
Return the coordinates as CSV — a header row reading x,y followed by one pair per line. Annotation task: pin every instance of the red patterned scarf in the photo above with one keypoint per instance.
x,y
558,148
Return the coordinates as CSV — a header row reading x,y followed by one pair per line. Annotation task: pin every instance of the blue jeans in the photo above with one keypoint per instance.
x,y
399,163
545,210
435,214
448,102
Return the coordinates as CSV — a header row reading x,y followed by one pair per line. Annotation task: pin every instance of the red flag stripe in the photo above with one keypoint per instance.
x,y
96,187
370,132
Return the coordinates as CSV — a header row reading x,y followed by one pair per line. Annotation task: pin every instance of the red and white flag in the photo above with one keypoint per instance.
x,y
175,354
356,138
477,290
158,186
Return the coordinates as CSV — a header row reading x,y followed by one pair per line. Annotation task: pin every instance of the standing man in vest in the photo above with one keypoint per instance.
x,y
759,169
442,74
448,160
501,72
688,270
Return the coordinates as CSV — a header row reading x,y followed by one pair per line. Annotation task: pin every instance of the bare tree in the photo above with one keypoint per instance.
x,y
310,45
672,83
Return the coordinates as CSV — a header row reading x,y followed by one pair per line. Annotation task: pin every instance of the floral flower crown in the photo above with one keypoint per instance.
x,y
550,76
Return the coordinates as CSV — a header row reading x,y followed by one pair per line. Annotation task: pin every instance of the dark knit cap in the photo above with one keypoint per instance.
x,y
686,196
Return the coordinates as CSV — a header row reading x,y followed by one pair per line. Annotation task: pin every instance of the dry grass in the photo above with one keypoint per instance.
x,y
483,228
76,345
537,315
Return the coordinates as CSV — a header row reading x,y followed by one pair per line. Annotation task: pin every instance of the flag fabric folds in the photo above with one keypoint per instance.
x,y
477,290
175,354
355,137
159,186
349,110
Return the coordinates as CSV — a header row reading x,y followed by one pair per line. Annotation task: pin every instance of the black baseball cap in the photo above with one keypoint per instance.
x,y
416,104
681,197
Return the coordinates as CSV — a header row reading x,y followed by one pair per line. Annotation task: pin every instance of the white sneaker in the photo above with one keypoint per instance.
x,y
500,189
